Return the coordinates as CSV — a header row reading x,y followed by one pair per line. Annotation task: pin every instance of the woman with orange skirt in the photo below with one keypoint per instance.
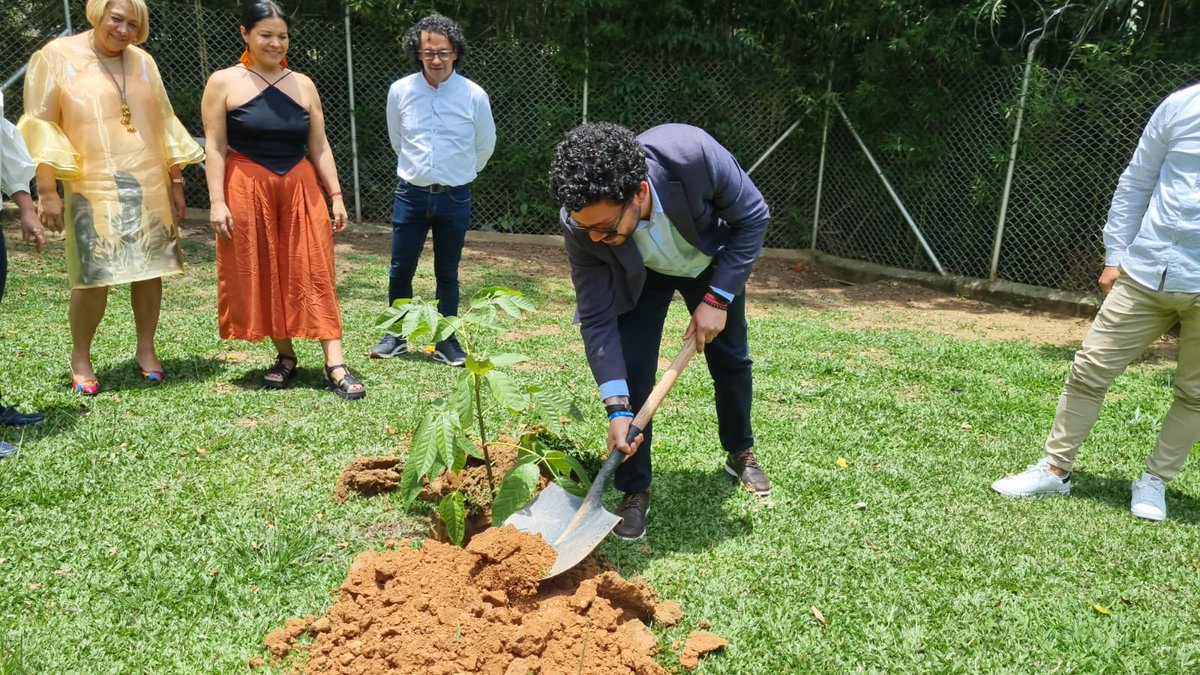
x,y
266,159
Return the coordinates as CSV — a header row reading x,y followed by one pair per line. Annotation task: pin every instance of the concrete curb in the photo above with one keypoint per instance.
x,y
1005,293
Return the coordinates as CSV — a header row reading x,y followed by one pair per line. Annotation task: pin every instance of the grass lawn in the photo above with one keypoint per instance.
x,y
168,528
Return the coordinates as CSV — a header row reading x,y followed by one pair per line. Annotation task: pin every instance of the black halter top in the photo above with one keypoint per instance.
x,y
271,128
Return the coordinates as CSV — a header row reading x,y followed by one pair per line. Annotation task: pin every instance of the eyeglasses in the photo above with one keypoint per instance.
x,y
443,54
603,231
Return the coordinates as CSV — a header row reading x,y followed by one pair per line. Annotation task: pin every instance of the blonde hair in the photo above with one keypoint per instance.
x,y
97,8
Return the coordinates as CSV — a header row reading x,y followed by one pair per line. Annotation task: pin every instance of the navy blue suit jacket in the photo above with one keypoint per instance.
x,y
711,202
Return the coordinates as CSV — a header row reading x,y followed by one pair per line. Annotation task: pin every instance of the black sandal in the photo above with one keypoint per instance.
x,y
343,386
283,371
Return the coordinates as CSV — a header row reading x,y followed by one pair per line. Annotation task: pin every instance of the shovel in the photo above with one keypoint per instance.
x,y
574,526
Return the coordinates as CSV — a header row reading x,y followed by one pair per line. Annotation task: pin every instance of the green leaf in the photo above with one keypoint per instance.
x,y
422,457
492,292
478,365
502,360
581,474
505,391
444,434
453,511
445,328
390,316
572,487
462,398
515,492
557,461
554,405
508,305
484,322
466,447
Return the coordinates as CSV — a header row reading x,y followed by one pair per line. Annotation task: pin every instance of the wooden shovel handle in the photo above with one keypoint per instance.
x,y
660,390
643,417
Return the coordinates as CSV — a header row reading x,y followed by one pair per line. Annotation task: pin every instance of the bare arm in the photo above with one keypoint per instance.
x,y
31,227
50,206
216,146
321,155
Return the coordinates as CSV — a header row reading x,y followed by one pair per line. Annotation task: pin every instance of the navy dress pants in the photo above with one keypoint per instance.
x,y
728,357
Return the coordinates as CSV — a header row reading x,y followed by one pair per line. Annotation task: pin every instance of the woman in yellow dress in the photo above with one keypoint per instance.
x,y
98,119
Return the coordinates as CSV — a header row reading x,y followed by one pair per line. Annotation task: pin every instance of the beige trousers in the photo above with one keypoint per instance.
x,y
1131,318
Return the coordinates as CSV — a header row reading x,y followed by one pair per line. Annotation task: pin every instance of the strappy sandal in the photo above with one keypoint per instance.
x,y
343,386
281,370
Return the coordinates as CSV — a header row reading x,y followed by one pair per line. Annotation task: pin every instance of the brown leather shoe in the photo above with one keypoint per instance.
x,y
744,467
633,511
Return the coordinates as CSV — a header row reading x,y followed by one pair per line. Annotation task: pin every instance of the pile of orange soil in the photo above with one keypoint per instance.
x,y
435,608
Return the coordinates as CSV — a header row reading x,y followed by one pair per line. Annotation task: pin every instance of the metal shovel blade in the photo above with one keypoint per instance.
x,y
572,526
575,526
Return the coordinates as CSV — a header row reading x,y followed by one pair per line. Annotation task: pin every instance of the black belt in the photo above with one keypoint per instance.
x,y
431,189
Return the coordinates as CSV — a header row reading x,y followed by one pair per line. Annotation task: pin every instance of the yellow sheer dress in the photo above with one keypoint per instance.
x,y
119,223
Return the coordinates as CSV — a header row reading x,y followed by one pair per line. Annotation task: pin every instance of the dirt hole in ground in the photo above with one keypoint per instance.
x,y
368,476
428,607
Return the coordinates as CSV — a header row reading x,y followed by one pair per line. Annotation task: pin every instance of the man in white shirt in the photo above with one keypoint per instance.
x,y
16,170
1151,279
441,129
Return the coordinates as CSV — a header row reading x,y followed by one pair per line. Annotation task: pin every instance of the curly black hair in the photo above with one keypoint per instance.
x,y
442,25
594,162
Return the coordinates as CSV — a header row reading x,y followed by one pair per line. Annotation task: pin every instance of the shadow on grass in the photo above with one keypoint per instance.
x,y
1114,491
127,376
59,419
690,511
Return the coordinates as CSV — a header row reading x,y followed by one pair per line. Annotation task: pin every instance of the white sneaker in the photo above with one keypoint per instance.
x,y
1149,499
1035,481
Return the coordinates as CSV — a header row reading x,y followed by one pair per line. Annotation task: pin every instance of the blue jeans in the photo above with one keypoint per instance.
x,y
728,358
415,212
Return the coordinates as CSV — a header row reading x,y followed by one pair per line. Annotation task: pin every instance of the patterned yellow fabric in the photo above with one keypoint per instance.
x,y
119,223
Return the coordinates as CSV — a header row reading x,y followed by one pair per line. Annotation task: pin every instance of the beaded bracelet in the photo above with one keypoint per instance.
x,y
711,300
335,194
620,413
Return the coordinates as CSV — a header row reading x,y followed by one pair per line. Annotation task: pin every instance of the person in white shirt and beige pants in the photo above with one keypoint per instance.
x,y
441,128
1151,280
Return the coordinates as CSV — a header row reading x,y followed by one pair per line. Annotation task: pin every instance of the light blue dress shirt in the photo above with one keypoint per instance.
x,y
665,251
441,135
1153,228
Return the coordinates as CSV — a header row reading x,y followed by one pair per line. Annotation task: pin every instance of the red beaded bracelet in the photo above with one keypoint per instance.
x,y
335,194
712,300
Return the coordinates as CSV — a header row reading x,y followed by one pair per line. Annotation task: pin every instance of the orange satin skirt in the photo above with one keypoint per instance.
x,y
275,277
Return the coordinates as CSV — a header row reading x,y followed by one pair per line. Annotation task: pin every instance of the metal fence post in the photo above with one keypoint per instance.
x,y
821,162
353,122
887,185
1012,162
67,14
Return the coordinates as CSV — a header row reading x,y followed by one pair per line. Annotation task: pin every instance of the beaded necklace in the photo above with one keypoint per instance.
x,y
125,114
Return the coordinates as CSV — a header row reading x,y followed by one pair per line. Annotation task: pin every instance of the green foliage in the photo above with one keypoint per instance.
x,y
453,512
442,440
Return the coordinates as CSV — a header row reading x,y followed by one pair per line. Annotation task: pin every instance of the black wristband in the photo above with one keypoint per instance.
x,y
617,407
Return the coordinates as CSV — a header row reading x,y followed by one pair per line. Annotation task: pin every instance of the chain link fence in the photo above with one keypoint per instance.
x,y
1081,126
1080,129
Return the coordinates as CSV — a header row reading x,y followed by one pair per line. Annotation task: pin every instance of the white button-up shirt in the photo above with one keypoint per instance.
x,y
442,135
1153,229
16,166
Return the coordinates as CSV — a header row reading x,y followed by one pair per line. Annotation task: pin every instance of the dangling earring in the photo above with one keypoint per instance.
x,y
246,59
283,62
